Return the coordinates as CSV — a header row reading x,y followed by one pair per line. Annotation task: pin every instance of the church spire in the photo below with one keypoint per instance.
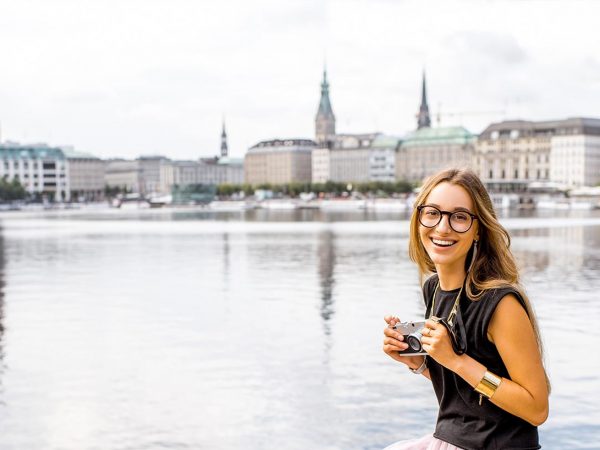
x,y
325,120
224,148
423,119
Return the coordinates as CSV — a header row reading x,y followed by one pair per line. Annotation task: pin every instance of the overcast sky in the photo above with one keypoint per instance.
x,y
131,77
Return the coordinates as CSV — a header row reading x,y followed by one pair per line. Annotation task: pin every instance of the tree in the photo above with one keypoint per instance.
x,y
13,190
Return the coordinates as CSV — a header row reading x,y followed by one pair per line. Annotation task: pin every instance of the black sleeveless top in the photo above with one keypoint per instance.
x,y
462,421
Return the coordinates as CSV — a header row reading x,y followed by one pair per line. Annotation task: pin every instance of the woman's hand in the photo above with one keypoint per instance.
x,y
436,342
393,342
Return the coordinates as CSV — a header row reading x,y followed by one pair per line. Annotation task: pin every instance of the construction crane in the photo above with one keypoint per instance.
x,y
461,114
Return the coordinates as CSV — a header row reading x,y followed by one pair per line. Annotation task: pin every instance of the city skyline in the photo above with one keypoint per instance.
x,y
122,80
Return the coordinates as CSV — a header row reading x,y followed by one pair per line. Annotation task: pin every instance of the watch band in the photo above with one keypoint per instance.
x,y
419,370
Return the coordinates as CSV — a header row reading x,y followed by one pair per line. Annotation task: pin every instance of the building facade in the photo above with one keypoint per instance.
x,y
42,170
356,158
382,160
223,170
207,171
150,173
279,161
86,175
575,158
517,153
429,150
124,174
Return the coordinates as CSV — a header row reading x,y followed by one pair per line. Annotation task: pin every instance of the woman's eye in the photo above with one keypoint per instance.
x,y
461,217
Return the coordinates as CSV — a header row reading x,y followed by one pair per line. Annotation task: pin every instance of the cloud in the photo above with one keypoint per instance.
x,y
500,48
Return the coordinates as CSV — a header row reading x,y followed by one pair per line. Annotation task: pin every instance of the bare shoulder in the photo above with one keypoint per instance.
x,y
509,319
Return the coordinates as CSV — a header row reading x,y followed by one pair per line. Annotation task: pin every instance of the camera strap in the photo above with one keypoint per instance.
x,y
453,323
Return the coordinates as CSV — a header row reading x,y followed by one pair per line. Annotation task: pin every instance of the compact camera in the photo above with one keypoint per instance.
x,y
412,336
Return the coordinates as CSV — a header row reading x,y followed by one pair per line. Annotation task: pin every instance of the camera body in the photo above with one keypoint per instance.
x,y
412,336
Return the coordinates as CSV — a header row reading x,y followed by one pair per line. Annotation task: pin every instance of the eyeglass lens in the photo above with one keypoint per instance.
x,y
430,216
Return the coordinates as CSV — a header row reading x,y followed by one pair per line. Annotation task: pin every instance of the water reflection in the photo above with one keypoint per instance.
x,y
326,267
568,253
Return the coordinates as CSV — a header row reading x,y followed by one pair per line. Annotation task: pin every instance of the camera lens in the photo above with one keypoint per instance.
x,y
414,341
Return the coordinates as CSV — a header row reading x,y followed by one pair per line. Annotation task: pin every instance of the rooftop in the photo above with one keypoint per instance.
x,y
12,150
71,153
282,144
439,136
527,128
385,141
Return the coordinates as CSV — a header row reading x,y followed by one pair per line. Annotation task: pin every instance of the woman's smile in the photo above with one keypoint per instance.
x,y
445,246
444,243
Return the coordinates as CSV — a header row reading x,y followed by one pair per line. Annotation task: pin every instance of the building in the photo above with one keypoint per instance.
x,y
356,158
321,164
86,175
325,119
423,119
207,171
429,150
42,170
382,159
150,173
178,173
222,170
510,155
575,155
224,146
279,161
350,156
124,174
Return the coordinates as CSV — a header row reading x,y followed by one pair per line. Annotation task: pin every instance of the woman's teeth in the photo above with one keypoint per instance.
x,y
443,243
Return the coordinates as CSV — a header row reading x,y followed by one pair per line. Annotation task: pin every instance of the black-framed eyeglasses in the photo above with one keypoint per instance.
x,y
460,221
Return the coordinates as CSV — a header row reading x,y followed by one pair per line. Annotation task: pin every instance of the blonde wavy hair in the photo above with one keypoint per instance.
x,y
494,266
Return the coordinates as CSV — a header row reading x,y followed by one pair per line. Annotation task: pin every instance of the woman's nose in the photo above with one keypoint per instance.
x,y
444,224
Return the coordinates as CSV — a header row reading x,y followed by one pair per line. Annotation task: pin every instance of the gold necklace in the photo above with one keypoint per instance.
x,y
452,314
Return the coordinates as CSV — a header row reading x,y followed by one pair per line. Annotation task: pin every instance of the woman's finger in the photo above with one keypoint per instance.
x,y
391,320
432,324
395,342
393,333
390,348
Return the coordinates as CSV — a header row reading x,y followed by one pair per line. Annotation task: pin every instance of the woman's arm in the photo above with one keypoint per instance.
x,y
525,395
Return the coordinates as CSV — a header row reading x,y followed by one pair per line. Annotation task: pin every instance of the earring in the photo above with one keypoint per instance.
x,y
474,256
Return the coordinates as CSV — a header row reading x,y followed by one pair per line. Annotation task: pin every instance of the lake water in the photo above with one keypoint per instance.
x,y
258,330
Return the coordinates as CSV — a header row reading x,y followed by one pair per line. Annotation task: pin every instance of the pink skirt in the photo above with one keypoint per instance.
x,y
425,443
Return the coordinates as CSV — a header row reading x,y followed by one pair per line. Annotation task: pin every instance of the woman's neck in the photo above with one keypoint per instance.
x,y
450,277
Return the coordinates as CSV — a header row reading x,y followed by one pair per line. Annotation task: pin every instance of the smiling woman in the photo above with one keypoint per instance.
x,y
481,342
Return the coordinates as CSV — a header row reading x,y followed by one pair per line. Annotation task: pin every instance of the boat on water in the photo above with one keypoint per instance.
x,y
130,201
